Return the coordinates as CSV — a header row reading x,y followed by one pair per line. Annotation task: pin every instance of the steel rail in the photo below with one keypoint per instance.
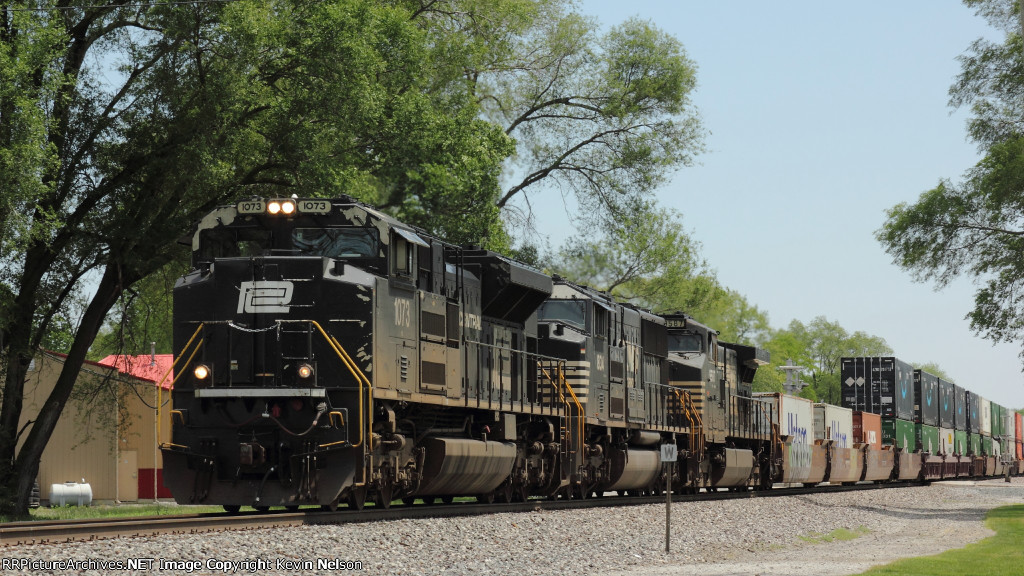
x,y
60,531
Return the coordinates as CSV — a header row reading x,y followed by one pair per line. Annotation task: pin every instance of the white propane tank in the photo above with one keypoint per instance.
x,y
71,494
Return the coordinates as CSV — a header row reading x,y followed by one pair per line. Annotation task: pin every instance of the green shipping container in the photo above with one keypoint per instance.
x,y
900,433
928,438
986,445
960,443
997,420
975,444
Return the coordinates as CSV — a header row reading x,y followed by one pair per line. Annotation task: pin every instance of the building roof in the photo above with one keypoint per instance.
x,y
143,366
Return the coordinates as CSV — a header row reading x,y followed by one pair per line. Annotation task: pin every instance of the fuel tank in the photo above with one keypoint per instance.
x,y
633,469
733,469
461,466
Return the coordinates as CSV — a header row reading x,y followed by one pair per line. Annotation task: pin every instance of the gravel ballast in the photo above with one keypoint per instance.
x,y
749,536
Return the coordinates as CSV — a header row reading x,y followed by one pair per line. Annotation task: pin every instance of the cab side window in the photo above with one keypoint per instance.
x,y
401,257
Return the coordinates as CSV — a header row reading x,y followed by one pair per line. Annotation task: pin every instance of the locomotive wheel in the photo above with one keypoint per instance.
x,y
579,491
261,508
429,500
519,494
409,500
503,493
232,508
383,497
357,498
332,507
292,508
447,499
486,498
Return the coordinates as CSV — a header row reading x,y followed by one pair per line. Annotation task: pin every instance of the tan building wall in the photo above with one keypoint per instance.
x,y
107,438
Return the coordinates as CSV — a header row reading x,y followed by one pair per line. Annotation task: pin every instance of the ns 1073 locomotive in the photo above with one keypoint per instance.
x,y
328,354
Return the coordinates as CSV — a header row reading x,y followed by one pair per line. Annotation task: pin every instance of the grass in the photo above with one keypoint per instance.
x,y
111,511
837,534
998,555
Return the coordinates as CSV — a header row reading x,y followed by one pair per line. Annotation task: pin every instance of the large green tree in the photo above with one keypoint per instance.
x,y
975,228
601,118
121,123
644,255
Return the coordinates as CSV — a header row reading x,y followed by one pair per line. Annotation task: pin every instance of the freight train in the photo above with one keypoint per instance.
x,y
329,354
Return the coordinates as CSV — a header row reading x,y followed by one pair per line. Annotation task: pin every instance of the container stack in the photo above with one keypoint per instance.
x,y
973,424
883,386
960,400
931,425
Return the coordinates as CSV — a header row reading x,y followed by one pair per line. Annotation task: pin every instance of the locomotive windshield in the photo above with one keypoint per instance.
x,y
330,242
684,342
337,242
572,312
233,242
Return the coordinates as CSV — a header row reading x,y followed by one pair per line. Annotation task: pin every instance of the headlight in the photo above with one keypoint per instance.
x,y
280,206
201,372
305,371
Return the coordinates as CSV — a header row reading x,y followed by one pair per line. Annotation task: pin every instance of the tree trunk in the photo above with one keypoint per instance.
x,y
17,486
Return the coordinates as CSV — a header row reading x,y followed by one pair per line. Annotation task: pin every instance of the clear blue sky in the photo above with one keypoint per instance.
x,y
821,116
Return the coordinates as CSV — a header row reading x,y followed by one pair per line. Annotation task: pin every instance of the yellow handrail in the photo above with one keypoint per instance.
x,y
160,384
687,401
581,423
356,373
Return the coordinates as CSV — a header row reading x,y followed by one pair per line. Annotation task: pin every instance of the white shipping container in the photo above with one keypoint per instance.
x,y
947,441
986,417
1009,425
795,418
833,423
995,448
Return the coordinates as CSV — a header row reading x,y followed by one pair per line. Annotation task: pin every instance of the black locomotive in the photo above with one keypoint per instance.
x,y
327,353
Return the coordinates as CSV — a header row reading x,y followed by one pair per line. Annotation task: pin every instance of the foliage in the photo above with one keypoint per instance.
x,y
142,316
735,318
991,556
818,347
934,369
642,255
121,124
975,228
602,117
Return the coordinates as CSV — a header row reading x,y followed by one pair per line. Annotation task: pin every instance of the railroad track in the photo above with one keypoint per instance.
x,y
52,532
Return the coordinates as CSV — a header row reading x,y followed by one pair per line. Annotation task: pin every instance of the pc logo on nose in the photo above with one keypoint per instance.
x,y
265,297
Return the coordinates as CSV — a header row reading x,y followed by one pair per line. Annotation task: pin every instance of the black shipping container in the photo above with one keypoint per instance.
x,y
926,398
947,408
880,385
855,382
973,413
959,399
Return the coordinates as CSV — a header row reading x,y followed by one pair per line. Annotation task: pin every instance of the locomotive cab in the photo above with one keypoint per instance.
x,y
719,376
